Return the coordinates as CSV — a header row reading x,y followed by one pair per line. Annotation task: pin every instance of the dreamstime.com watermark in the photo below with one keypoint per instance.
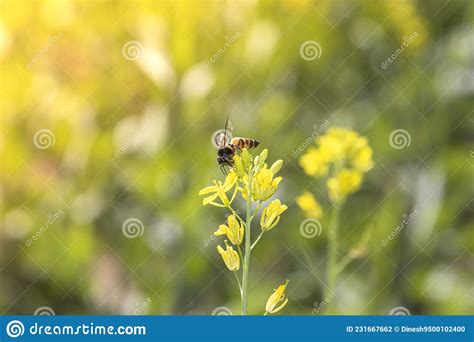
x,y
124,147
16,329
207,242
132,50
44,311
133,228
406,220
400,311
142,308
317,130
227,44
406,42
310,50
44,50
52,218
399,139
310,228
318,307
222,311
44,139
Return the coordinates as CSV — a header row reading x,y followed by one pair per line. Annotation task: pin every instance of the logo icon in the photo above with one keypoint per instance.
x,y
133,228
44,311
399,311
310,228
399,138
15,328
44,139
310,50
222,311
132,50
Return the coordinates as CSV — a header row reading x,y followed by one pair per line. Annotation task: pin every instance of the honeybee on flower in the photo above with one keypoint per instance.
x,y
256,182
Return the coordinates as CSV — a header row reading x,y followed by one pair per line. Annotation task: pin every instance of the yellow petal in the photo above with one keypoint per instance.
x,y
221,231
209,199
207,190
280,307
229,181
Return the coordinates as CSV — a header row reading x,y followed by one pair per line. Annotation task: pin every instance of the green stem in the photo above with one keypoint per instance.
x,y
332,270
256,241
257,209
240,252
246,266
238,282
344,263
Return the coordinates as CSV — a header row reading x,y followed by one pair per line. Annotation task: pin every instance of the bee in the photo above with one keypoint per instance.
x,y
226,149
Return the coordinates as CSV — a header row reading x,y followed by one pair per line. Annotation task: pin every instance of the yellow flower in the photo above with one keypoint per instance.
x,y
342,184
271,215
314,163
340,147
342,155
264,185
234,231
361,156
277,299
239,166
230,257
219,190
333,145
308,203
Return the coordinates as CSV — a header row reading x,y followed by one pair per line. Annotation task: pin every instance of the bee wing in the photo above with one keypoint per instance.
x,y
227,130
220,138
224,136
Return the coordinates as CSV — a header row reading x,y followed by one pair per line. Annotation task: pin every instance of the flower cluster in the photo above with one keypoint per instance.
x,y
341,155
256,183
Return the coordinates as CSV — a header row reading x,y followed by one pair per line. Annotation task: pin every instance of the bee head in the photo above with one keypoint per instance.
x,y
222,160
225,151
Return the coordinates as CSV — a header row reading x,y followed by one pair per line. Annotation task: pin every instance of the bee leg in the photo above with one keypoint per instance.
x,y
223,170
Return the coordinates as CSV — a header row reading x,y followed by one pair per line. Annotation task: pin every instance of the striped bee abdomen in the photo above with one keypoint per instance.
x,y
244,142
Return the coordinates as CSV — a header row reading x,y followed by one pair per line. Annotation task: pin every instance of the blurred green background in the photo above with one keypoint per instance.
x,y
108,109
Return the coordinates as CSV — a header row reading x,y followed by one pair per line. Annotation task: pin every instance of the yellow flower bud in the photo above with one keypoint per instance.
x,y
276,166
262,157
230,257
277,299
234,231
239,166
271,215
246,159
